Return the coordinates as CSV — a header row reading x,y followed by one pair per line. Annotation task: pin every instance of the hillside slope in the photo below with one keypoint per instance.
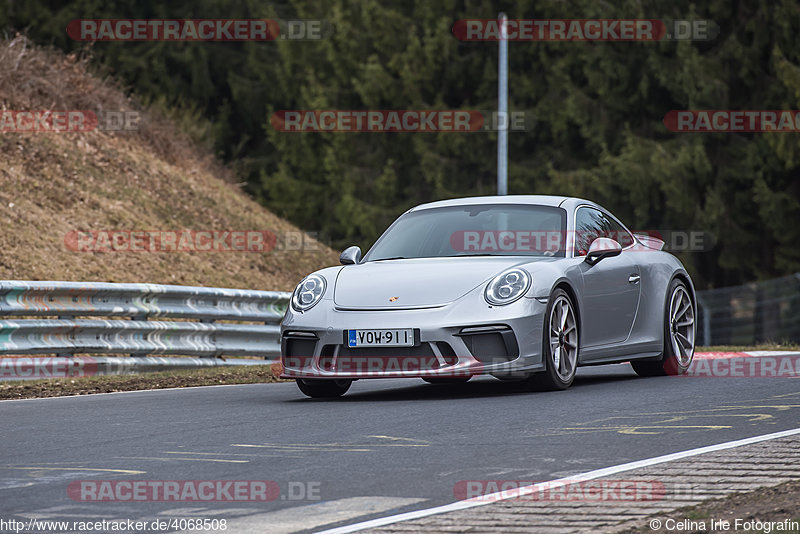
x,y
54,184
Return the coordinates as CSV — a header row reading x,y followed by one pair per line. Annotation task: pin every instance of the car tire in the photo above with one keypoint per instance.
x,y
560,337
323,388
448,380
679,335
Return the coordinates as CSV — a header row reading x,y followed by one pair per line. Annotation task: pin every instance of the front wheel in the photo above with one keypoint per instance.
x,y
560,344
679,336
322,388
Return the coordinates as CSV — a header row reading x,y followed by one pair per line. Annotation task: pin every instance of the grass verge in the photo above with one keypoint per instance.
x,y
86,385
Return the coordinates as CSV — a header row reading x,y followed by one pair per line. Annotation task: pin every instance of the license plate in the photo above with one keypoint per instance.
x,y
398,337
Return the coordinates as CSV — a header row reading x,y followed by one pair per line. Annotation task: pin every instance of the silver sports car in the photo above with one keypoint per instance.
x,y
522,288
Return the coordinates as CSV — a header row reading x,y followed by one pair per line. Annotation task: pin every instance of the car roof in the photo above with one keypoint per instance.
x,y
567,203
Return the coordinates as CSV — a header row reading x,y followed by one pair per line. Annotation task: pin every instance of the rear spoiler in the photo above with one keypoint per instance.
x,y
650,241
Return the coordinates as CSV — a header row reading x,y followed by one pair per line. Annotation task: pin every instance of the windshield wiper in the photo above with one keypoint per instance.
x,y
393,258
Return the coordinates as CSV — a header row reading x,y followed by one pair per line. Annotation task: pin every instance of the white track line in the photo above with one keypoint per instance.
x,y
590,475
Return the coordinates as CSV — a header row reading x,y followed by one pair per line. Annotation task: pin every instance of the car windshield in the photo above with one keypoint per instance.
x,y
474,230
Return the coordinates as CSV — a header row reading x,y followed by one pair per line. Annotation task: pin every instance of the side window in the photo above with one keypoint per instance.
x,y
591,224
588,227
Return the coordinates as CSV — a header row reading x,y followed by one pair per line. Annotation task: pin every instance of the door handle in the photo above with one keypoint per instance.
x,y
633,279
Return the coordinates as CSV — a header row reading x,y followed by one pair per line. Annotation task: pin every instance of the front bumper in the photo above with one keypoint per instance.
x,y
461,339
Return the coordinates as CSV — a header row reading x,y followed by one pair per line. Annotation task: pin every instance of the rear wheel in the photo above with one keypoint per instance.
x,y
679,335
323,388
560,344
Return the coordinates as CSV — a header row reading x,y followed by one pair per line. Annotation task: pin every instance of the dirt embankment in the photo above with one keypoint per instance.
x,y
149,178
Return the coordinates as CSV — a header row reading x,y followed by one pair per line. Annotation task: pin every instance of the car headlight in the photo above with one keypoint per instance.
x,y
507,287
308,292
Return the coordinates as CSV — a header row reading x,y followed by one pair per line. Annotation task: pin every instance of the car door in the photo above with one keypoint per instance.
x,y
610,287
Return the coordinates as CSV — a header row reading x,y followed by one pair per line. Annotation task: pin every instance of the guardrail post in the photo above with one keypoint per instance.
x,y
280,342
64,354
706,320
138,354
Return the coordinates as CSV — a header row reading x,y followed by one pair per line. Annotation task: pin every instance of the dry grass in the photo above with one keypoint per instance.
x,y
150,179
87,385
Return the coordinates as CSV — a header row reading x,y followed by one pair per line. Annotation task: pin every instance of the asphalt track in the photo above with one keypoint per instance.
x,y
388,446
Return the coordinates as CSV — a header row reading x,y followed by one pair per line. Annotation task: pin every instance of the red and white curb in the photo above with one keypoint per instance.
x,y
747,354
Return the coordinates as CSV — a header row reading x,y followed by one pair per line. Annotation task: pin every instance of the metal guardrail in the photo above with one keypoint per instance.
x,y
90,318
758,312
195,333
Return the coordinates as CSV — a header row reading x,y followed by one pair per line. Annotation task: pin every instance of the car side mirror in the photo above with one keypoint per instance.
x,y
602,247
350,256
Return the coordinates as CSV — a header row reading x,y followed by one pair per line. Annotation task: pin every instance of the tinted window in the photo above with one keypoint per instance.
x,y
591,224
476,230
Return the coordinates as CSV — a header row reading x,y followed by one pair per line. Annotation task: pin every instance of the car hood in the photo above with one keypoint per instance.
x,y
416,283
